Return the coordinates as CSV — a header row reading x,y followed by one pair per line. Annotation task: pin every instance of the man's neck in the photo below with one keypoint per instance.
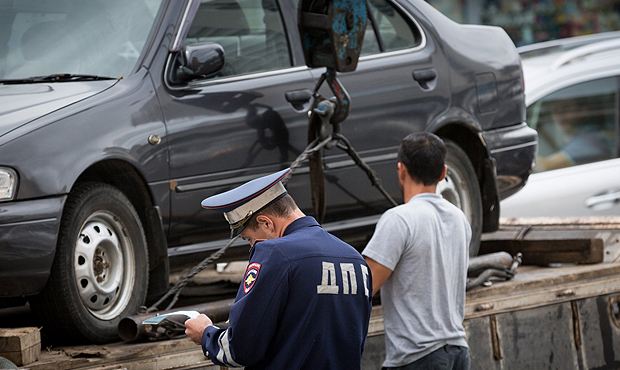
x,y
411,189
297,214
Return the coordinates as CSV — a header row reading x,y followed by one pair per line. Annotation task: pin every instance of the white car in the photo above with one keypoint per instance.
x,y
572,92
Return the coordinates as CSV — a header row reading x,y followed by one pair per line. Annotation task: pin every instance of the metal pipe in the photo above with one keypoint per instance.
x,y
498,260
131,329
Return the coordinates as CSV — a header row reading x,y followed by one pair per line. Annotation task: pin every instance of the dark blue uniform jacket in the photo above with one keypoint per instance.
x,y
304,303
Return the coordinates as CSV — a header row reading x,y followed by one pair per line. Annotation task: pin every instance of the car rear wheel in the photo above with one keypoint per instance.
x,y
100,271
461,189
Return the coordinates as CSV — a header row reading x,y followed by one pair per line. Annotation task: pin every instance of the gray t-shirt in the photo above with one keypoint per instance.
x,y
425,242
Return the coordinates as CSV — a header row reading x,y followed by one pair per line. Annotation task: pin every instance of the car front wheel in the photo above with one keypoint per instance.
x,y
461,189
100,271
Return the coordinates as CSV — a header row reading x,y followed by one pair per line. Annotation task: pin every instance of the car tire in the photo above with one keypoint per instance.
x,y
461,188
100,270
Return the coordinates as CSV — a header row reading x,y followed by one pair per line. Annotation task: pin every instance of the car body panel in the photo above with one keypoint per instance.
x,y
20,104
542,81
493,95
510,147
28,232
222,134
578,191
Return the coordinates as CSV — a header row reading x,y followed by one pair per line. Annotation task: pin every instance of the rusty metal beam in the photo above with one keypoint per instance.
x,y
495,342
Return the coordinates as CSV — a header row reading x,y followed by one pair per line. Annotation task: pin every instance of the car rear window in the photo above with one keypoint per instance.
x,y
395,31
387,29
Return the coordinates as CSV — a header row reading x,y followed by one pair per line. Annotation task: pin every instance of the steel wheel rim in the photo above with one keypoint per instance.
x,y
103,265
454,190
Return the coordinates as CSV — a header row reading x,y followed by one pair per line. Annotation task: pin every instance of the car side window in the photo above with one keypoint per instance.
x,y
576,125
370,45
250,31
395,31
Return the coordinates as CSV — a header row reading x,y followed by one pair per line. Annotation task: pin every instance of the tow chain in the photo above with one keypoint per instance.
x,y
320,118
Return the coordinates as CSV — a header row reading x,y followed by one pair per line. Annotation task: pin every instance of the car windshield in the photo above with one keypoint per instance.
x,y
85,38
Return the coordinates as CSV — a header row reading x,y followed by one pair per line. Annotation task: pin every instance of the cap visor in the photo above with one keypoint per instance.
x,y
234,232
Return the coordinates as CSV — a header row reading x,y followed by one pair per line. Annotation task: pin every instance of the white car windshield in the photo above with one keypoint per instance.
x,y
73,37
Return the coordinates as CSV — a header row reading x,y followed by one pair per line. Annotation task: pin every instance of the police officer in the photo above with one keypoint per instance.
x,y
304,302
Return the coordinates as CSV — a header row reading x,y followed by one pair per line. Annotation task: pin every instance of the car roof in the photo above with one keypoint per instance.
x,y
552,65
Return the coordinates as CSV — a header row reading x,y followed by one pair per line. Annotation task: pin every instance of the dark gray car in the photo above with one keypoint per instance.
x,y
112,132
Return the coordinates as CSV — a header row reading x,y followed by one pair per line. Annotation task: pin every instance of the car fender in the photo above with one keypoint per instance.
x,y
111,125
461,127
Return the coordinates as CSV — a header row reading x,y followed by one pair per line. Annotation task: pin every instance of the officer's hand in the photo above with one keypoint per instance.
x,y
194,328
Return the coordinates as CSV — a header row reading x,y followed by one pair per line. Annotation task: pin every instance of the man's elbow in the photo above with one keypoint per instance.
x,y
379,274
375,289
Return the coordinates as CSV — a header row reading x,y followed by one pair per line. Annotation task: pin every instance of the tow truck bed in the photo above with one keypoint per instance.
x,y
564,317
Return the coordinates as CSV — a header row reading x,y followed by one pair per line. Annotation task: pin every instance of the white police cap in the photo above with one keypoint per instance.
x,y
240,203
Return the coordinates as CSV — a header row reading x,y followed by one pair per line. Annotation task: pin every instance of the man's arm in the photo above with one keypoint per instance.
x,y
194,328
253,317
213,340
379,273
202,331
385,248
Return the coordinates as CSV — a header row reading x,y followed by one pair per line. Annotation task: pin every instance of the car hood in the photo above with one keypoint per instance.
x,y
20,104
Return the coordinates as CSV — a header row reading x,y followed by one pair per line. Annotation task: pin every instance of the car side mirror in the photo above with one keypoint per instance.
x,y
200,60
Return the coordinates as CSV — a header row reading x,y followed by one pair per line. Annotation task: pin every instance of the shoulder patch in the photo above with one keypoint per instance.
x,y
250,276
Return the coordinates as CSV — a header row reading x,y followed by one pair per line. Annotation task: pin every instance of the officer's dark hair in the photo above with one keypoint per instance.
x,y
281,207
424,155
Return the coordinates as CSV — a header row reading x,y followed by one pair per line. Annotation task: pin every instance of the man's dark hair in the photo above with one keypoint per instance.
x,y
281,207
424,155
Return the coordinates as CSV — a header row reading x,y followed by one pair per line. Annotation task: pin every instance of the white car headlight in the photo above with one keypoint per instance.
x,y
8,184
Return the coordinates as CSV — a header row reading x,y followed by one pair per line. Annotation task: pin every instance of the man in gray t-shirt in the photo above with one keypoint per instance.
x,y
418,256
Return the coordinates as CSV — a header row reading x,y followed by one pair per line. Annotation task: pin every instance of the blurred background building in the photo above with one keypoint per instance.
x,y
530,21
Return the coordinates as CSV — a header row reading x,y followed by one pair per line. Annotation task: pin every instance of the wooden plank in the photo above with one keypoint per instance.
x,y
187,359
605,228
534,286
21,346
542,296
545,252
131,356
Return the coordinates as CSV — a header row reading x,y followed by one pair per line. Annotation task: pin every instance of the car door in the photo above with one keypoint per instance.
x,y
577,162
237,125
387,104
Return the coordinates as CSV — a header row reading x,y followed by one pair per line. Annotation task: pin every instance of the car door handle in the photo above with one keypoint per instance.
x,y
424,76
600,200
298,98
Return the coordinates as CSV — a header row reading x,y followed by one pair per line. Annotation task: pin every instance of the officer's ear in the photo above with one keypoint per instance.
x,y
265,221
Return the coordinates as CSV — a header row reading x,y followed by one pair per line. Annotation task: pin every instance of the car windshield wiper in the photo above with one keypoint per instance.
x,y
58,77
